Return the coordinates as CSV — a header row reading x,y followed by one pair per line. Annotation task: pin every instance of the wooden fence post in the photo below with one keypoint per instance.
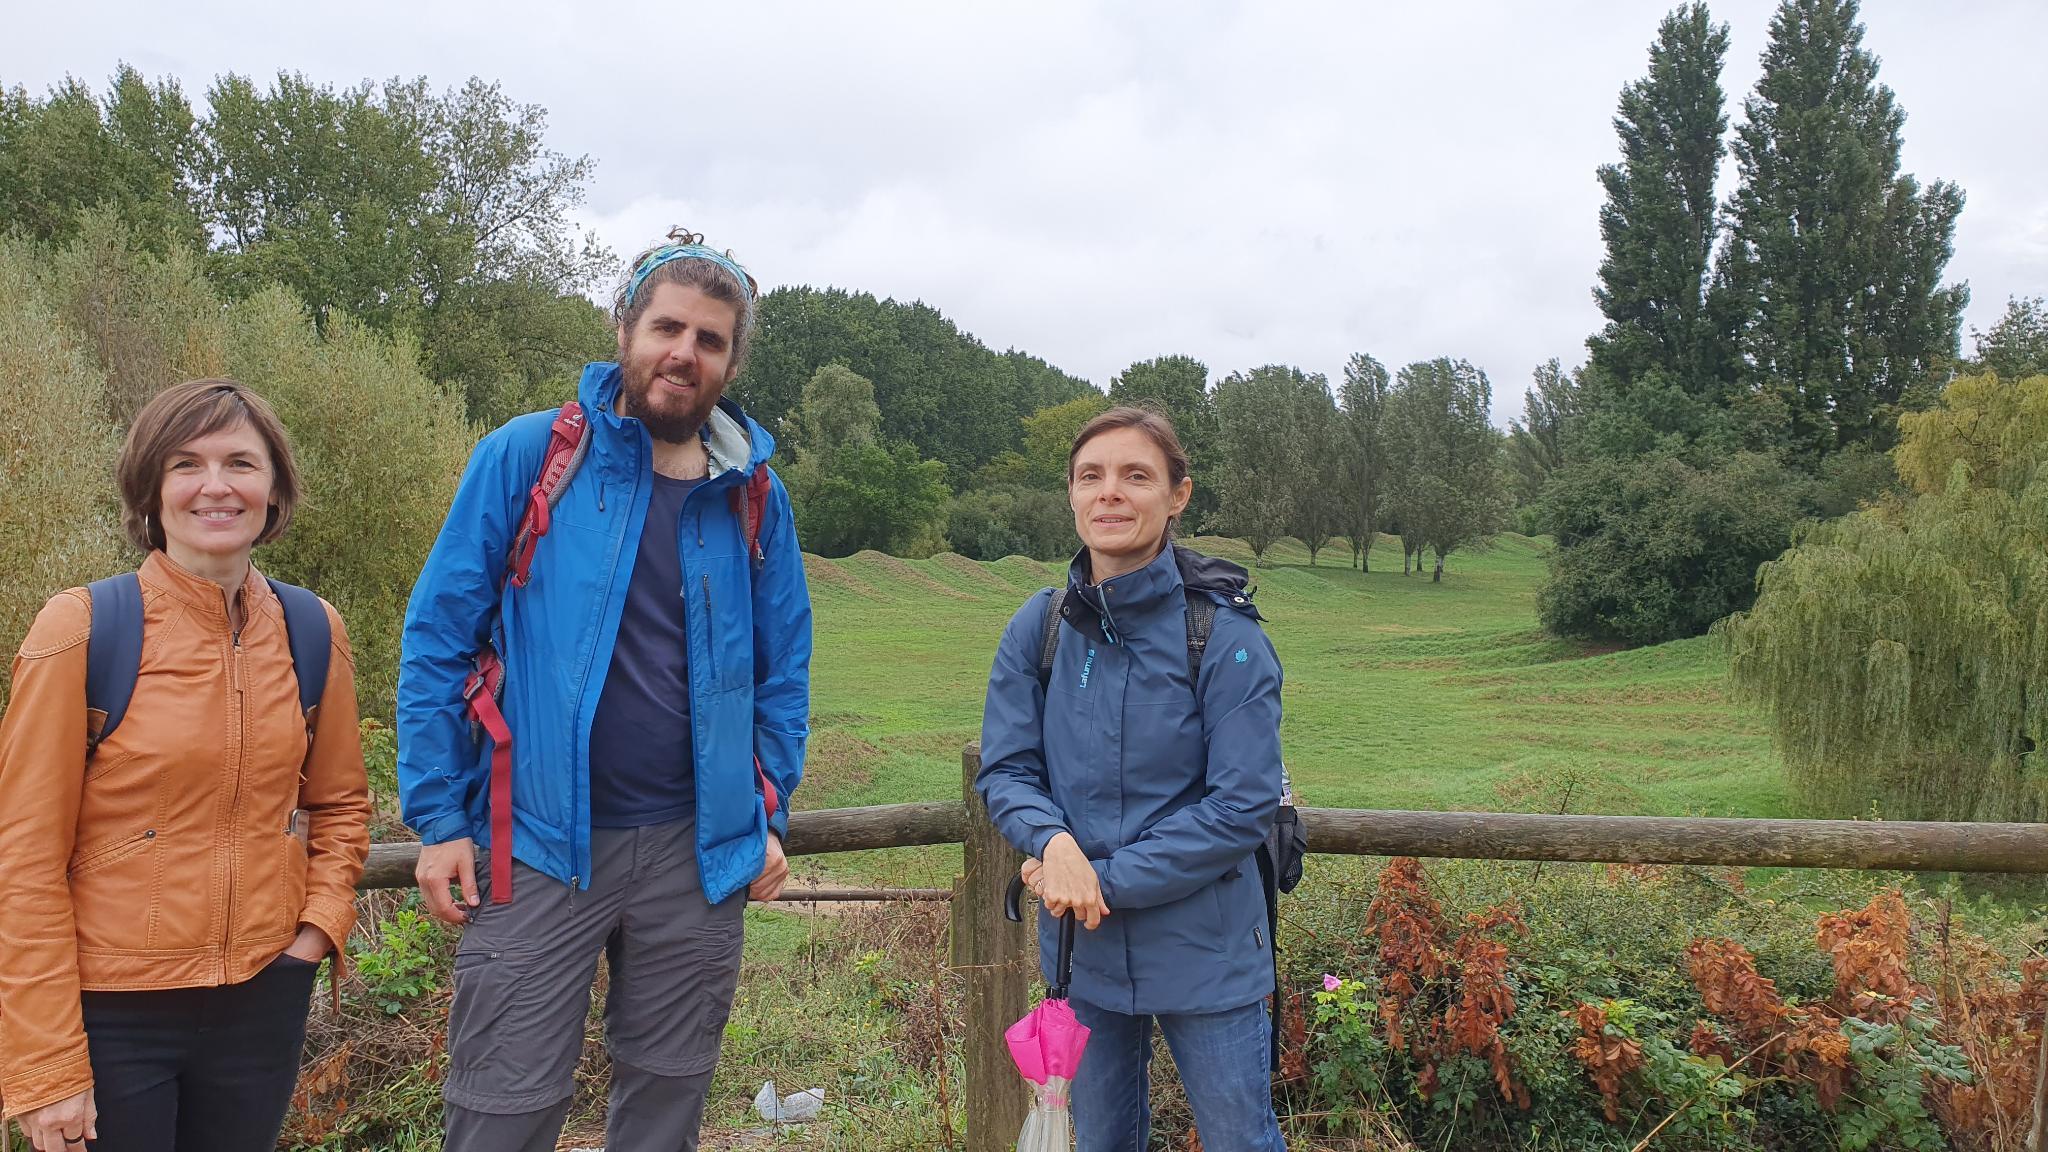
x,y
996,957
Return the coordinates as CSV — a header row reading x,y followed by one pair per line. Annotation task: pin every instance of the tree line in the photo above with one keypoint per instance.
x,y
440,221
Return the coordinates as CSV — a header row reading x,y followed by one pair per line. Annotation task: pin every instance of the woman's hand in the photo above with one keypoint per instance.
x,y
311,945
64,1126
1066,882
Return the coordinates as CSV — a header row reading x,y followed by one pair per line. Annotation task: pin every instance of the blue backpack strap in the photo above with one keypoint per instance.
x,y
311,639
113,655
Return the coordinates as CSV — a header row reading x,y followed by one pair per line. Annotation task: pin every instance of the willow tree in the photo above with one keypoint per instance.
x,y
1902,652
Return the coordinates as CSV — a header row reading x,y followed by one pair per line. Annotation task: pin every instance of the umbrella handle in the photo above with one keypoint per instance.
x,y
1013,898
1066,959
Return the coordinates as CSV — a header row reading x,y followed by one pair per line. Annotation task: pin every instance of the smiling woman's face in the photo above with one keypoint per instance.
x,y
1123,498
215,499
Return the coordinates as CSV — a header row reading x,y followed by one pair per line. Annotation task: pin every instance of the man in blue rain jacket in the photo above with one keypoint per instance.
x,y
657,692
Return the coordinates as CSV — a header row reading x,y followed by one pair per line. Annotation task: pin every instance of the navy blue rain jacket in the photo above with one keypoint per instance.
x,y
1169,798
749,640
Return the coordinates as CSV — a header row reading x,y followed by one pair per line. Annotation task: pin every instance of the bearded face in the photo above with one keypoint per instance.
x,y
676,360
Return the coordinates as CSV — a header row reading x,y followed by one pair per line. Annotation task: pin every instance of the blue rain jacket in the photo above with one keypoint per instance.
x,y
749,635
1169,798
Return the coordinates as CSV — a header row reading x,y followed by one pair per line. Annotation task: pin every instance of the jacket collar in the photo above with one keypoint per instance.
x,y
732,440
1104,610
1114,605
202,596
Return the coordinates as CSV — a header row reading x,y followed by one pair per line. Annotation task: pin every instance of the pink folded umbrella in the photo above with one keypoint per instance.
x,y
1046,1046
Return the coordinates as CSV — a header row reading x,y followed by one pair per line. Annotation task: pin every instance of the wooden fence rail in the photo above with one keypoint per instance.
x,y
998,961
1869,845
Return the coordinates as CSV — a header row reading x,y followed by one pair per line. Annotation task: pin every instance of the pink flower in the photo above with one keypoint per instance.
x,y
1331,983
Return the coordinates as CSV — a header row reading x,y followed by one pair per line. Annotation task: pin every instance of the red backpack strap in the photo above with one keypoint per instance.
x,y
769,800
568,442
486,683
748,502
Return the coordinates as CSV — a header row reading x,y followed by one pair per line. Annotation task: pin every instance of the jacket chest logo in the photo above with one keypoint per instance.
x,y
1087,667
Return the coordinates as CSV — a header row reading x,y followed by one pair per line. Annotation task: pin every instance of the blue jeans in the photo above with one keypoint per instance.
x,y
1223,1060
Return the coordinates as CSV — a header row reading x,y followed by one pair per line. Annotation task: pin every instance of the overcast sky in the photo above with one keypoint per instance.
x,y
1102,183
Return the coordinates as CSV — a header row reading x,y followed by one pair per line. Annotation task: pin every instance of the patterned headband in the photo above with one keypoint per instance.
x,y
686,246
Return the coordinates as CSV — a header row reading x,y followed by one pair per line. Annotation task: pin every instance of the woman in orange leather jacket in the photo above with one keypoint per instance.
x,y
167,895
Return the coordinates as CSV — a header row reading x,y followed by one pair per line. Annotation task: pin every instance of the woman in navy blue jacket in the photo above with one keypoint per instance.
x,y
1140,796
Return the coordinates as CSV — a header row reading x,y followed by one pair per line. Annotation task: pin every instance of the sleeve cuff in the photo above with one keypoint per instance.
x,y
1041,838
59,1080
779,823
1102,881
333,917
442,829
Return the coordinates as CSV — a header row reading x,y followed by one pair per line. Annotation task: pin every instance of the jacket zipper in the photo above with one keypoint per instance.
x,y
241,733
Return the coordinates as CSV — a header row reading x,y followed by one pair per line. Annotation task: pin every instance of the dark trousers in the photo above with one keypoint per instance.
x,y
192,1069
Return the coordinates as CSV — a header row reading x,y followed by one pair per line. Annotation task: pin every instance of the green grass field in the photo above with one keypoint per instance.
x,y
1400,693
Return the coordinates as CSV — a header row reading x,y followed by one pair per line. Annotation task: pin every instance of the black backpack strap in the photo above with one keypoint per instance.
x,y
113,654
1269,887
311,638
1201,622
1055,610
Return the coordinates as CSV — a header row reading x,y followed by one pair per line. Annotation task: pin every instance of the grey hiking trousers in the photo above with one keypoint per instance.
x,y
523,973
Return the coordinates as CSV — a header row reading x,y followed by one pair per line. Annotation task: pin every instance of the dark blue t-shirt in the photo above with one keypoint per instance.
x,y
641,771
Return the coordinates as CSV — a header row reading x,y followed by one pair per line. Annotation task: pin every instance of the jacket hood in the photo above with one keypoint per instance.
x,y
1227,583
732,439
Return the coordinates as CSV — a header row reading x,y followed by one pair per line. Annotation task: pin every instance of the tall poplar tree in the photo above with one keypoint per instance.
x,y
1831,274
1659,219
1364,401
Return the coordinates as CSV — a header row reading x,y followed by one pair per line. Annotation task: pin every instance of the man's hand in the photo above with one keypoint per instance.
x,y
64,1126
311,945
774,872
1066,882
444,864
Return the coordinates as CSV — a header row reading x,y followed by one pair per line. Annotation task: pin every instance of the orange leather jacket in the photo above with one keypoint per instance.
x,y
169,861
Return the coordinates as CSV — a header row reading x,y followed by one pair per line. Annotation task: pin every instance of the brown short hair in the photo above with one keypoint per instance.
x,y
1155,425
1152,422
174,418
